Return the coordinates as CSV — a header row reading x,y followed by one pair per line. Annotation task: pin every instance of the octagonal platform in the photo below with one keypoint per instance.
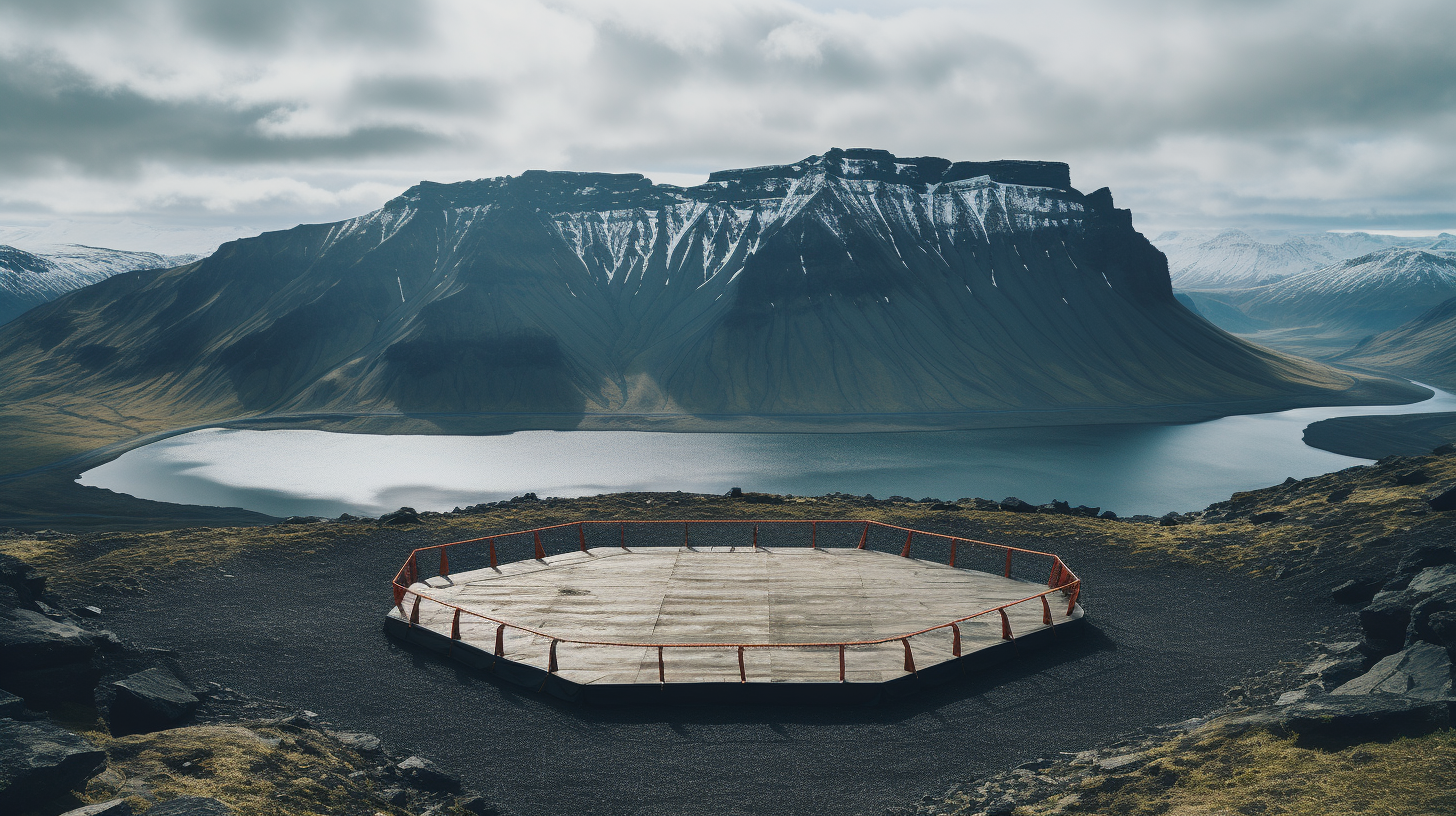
x,y
697,622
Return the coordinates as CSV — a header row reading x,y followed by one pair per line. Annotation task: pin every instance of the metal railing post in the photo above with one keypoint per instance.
x,y
581,534
742,672
955,640
905,553
492,554
1005,625
864,536
445,561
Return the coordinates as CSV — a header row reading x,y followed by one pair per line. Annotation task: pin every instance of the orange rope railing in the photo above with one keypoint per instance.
x,y
1061,580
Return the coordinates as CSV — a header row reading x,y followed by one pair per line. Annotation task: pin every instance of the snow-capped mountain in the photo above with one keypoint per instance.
x,y
1364,295
1233,259
852,283
28,279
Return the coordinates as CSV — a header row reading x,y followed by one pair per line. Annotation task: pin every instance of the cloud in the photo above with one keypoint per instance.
x,y
1304,110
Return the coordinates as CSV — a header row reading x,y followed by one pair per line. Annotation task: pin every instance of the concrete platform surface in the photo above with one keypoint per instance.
x,y
648,596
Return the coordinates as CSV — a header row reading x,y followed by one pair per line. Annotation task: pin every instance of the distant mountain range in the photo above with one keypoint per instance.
x,y
1424,348
28,279
852,284
1327,310
1233,259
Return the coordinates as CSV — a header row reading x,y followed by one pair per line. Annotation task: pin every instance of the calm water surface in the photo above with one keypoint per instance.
x,y
1126,468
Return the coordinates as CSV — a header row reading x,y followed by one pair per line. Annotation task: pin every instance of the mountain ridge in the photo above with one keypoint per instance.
x,y
855,282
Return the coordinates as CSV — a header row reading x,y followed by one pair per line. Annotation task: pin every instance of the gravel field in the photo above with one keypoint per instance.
x,y
1167,640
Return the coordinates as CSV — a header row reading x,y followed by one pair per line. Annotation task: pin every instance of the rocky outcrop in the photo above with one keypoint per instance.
x,y
40,761
45,661
149,700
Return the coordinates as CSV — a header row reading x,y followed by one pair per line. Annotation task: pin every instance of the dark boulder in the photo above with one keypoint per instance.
x,y
1354,718
366,744
1357,591
1014,505
10,705
150,700
1422,671
40,761
1056,507
1444,450
191,806
1421,558
735,492
1268,517
1445,501
404,515
425,775
1108,515
479,806
944,506
116,807
45,661
1084,510
1412,477
1385,620
21,577
1168,520
1337,496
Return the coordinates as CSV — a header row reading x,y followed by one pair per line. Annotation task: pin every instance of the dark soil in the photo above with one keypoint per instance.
x,y
1168,638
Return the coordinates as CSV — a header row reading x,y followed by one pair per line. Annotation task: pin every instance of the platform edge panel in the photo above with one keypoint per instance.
x,y
752,691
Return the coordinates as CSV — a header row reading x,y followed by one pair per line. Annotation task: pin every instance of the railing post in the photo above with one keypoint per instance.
x,y
551,658
742,672
622,526
1072,601
540,553
841,662
953,543
412,571
1005,625
415,611
500,640
455,625
905,553
1046,612
955,640
813,535
755,536
492,553
661,669
685,534
1056,573
1008,562
864,536
444,561
909,658
581,534
398,596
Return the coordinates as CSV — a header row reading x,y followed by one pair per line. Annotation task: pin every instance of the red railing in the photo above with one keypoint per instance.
x,y
1061,580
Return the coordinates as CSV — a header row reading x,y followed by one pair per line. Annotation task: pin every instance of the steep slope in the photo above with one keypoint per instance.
x,y
28,279
1233,259
1424,348
850,283
1361,296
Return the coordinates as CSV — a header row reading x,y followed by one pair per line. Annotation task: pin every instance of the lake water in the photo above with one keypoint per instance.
x,y
1126,468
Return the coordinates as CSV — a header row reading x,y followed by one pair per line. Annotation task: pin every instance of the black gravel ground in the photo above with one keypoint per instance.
x,y
1167,641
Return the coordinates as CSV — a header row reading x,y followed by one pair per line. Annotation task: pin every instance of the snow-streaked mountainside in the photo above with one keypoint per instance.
x,y
1424,348
855,282
1369,294
28,279
1233,259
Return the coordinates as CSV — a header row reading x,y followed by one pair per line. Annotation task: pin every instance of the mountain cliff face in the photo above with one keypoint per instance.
x,y
28,279
1424,348
850,283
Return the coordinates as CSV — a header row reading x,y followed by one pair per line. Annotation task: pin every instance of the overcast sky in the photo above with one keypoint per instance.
x,y
152,124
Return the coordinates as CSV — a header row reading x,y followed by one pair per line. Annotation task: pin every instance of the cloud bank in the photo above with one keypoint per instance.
x,y
267,113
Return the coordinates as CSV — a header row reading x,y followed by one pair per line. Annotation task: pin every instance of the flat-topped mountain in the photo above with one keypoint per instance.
x,y
855,282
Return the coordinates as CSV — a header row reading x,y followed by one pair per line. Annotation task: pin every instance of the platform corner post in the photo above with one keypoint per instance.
x,y
742,670
455,625
622,529
581,534
953,543
1008,562
415,611
540,553
492,553
864,536
1005,625
1072,601
500,640
841,662
813,535
444,561
551,659
1046,612
909,537
955,640
909,658
661,668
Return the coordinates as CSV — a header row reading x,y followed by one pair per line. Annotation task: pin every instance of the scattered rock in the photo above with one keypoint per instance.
x,y
1124,762
1012,504
10,705
191,806
397,797
1412,477
116,807
944,506
147,701
404,515
40,761
21,577
1445,501
1109,515
1444,450
425,775
479,806
1337,496
1168,520
366,744
1268,517
1357,591
1385,620
1422,671
1333,670
735,492
1088,512
1348,719
88,611
45,661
